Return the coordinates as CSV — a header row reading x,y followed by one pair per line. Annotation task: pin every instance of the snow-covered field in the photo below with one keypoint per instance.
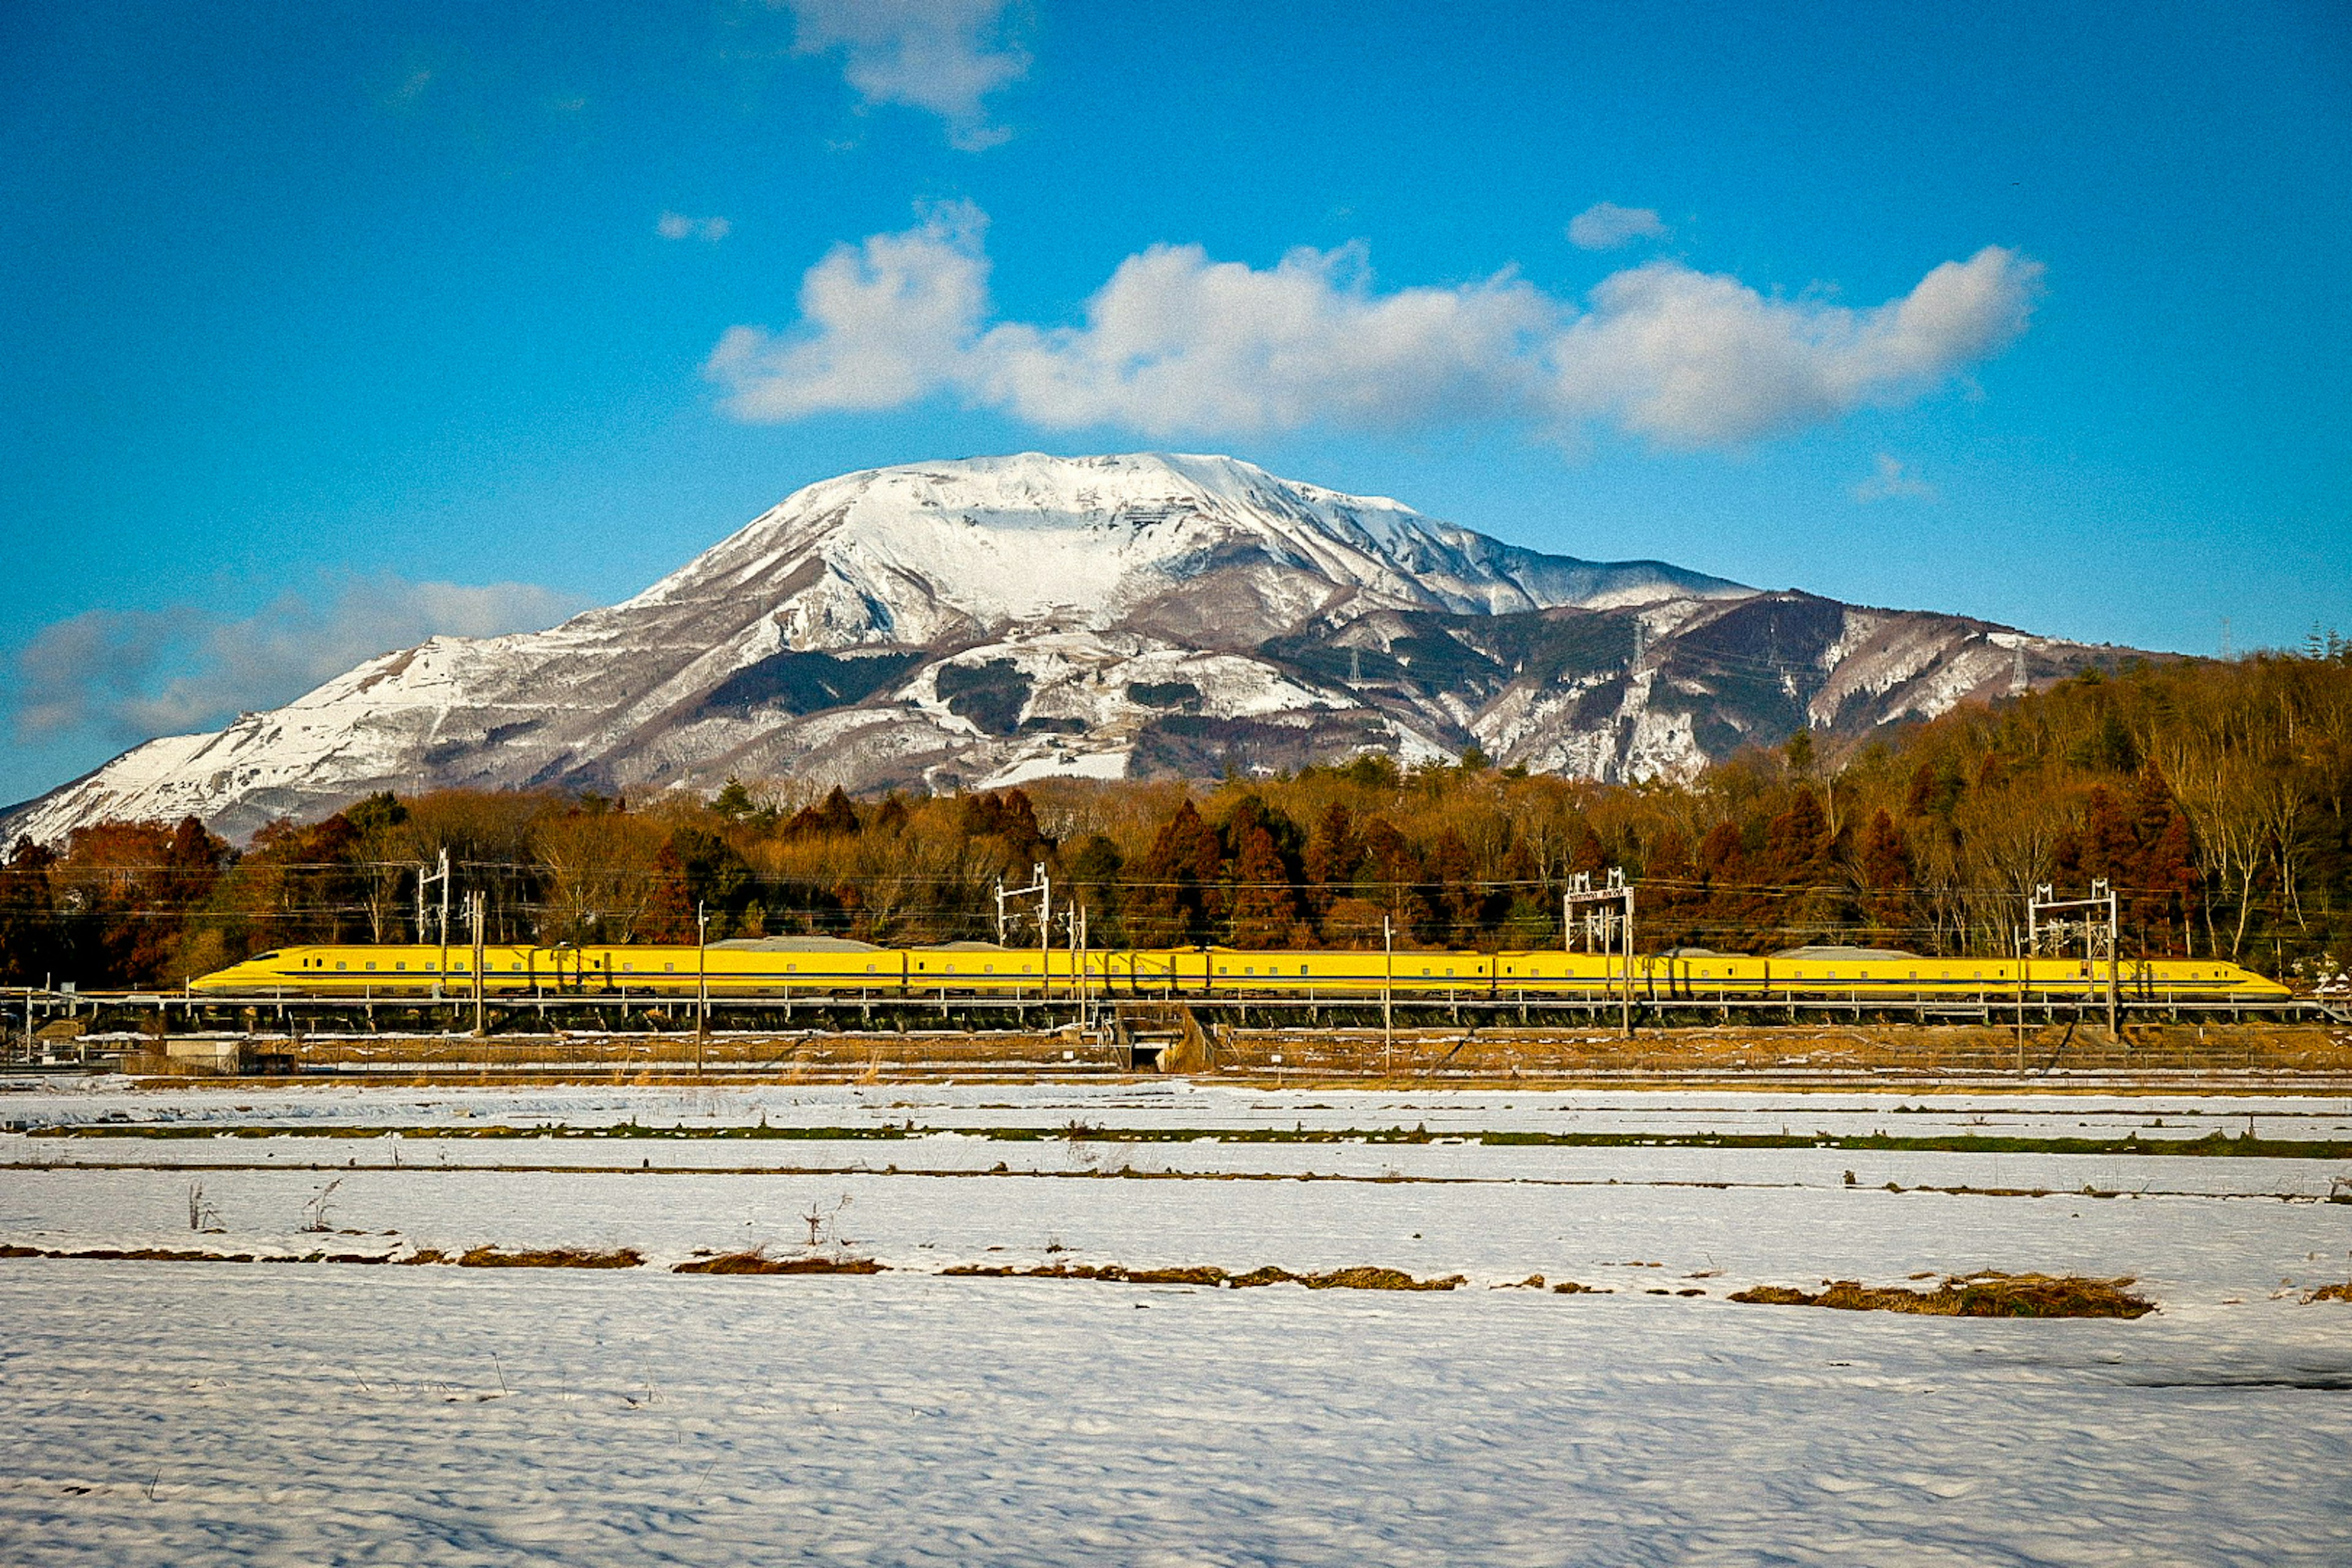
x,y
303,1413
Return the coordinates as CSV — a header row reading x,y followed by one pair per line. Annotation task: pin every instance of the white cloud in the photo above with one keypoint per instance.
x,y
678,226
1604,226
942,56
126,675
1695,358
1892,479
1176,343
882,323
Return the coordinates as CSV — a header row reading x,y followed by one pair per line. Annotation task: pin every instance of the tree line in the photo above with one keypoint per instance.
x,y
2211,795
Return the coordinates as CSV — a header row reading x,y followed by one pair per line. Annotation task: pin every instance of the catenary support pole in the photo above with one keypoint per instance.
x,y
1388,991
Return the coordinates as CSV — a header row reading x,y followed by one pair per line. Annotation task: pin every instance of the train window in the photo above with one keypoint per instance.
x,y
432,969
1915,975
518,969
1424,969
871,970
628,968
340,965
1449,969
670,969
1222,969
988,969
401,966
371,963
1249,969
791,969
1302,969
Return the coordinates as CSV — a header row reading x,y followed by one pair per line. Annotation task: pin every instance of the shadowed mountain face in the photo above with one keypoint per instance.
x,y
990,621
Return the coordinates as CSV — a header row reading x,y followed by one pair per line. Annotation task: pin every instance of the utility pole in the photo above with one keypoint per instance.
x,y
1629,963
2017,939
1081,981
701,981
474,918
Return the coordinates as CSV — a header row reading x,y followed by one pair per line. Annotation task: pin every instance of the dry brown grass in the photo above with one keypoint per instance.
x,y
547,1257
1990,1294
1116,1273
133,1254
1376,1279
1365,1279
757,1261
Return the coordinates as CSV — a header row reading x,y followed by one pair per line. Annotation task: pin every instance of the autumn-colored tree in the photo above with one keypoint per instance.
x,y
1265,907
833,816
1333,853
1459,903
601,875
124,892
1728,909
1175,897
1885,872
1393,881
28,936
1671,892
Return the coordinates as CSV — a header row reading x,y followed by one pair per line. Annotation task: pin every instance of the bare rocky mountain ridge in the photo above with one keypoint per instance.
x,y
987,622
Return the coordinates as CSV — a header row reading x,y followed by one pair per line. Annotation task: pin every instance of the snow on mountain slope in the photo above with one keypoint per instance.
x,y
997,620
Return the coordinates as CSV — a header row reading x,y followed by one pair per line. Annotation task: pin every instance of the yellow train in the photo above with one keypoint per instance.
x,y
787,967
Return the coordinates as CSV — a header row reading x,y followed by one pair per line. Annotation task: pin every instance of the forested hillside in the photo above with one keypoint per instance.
x,y
2213,794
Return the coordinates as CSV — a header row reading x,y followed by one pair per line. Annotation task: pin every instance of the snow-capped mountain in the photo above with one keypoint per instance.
x,y
999,619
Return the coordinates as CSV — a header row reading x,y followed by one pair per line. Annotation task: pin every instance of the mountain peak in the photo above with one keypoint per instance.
x,y
898,553
989,620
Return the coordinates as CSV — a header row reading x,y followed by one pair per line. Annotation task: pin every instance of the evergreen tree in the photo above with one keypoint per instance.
x,y
1797,868
1094,872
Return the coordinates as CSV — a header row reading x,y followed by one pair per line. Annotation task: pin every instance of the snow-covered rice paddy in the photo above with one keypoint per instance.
x,y
303,1413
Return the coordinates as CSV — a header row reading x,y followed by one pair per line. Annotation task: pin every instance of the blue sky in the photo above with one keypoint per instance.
x,y
330,326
